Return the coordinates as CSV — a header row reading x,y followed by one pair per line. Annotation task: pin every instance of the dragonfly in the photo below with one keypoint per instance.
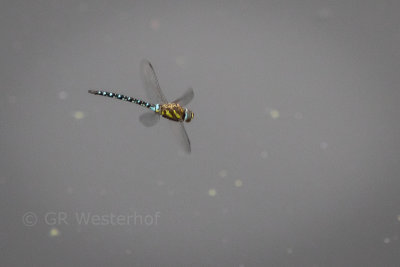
x,y
159,106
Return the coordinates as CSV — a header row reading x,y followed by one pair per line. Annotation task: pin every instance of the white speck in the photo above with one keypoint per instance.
x,y
241,265
78,115
274,114
62,95
324,145
128,251
264,154
160,183
154,24
289,251
398,217
298,115
223,173
212,192
386,240
54,232
238,183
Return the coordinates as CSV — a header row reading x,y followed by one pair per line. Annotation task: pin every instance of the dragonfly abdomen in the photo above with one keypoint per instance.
x,y
123,97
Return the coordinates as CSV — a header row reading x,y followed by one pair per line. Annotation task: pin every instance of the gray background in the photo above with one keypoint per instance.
x,y
296,131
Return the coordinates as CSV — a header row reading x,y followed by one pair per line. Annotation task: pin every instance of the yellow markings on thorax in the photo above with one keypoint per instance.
x,y
172,111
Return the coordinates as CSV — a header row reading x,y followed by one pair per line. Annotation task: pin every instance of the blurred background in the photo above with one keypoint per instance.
x,y
295,143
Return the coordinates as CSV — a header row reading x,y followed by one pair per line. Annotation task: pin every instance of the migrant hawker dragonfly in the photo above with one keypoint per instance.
x,y
159,106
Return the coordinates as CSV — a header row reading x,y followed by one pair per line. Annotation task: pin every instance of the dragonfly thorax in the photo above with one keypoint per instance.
x,y
174,112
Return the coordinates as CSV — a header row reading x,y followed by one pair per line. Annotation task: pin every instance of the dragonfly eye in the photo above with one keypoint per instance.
x,y
188,115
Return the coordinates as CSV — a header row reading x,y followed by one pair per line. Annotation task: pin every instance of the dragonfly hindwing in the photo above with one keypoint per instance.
x,y
149,119
185,98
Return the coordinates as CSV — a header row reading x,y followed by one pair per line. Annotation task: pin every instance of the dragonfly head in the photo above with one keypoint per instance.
x,y
188,115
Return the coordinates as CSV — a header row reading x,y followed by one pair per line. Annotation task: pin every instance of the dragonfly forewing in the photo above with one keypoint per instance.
x,y
151,85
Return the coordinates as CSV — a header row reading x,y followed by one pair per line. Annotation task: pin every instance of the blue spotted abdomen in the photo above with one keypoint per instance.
x,y
123,97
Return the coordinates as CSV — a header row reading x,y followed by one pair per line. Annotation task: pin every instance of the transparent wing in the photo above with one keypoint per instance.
x,y
149,119
151,85
179,131
185,142
156,96
185,98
